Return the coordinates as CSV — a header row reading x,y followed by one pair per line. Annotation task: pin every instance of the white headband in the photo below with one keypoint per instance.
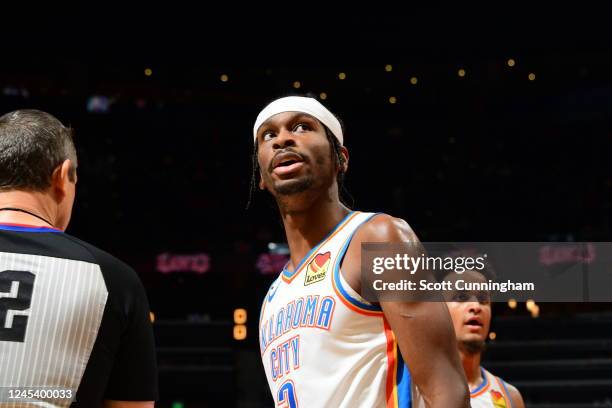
x,y
302,104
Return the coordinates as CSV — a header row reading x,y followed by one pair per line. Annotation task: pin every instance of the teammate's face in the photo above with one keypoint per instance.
x,y
294,154
470,311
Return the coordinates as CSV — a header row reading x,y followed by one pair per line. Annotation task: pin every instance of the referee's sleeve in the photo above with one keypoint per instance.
x,y
134,373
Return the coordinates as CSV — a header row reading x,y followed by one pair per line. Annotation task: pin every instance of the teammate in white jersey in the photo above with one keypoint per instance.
x,y
74,321
471,314
322,344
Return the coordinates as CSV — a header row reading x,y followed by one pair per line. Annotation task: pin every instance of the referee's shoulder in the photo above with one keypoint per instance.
x,y
116,272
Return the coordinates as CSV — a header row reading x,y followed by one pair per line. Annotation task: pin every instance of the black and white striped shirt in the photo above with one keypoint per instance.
x,y
72,317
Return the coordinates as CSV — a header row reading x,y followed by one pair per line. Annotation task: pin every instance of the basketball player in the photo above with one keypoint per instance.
x,y
471,314
73,318
322,344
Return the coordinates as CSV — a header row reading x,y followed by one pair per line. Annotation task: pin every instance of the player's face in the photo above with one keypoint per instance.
x,y
294,154
470,310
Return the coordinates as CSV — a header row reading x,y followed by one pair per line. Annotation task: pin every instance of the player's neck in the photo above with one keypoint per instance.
x,y
34,202
305,229
471,367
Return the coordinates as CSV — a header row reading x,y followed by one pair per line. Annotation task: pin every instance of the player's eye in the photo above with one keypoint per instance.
x,y
461,297
301,127
267,135
484,298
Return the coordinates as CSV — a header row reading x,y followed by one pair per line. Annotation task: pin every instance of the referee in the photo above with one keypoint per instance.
x,y
74,321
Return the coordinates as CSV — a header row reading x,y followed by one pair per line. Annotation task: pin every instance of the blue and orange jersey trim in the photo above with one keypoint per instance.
x,y
391,383
349,300
403,382
505,393
288,276
398,385
484,386
26,228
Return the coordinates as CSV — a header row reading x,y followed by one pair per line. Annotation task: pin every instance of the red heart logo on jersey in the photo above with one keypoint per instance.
x,y
496,395
321,259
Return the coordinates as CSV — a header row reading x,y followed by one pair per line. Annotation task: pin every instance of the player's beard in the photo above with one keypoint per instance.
x,y
295,186
472,346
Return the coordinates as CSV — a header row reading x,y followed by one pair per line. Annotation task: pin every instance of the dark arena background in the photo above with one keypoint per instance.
x,y
494,133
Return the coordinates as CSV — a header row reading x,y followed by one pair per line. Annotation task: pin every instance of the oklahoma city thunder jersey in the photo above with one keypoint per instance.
x,y
321,343
492,393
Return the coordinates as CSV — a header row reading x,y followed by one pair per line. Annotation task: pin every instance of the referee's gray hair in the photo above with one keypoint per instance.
x,y
32,144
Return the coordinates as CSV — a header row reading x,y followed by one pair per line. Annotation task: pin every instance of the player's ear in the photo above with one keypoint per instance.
x,y
262,184
344,159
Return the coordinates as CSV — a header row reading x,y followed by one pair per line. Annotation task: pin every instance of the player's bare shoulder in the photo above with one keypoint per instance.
x,y
385,228
379,228
515,396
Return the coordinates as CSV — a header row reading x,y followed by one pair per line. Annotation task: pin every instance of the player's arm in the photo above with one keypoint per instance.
x,y
129,404
515,396
423,330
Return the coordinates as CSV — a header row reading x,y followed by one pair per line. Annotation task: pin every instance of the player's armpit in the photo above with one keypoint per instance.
x,y
128,404
427,342
515,396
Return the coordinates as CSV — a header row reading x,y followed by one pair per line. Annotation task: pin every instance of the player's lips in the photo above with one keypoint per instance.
x,y
286,163
473,322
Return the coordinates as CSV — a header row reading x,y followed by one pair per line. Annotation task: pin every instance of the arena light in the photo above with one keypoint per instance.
x,y
531,76
240,316
342,76
148,72
492,336
530,304
224,78
152,317
461,72
392,100
512,304
414,80
240,319
511,62
388,67
99,104
323,95
535,311
240,332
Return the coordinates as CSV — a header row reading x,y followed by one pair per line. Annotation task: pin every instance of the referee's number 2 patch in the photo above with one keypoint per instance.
x,y
13,326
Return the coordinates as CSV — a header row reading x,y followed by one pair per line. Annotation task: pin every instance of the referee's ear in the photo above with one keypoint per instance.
x,y
63,179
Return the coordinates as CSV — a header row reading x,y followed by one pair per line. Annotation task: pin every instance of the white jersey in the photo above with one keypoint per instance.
x,y
321,343
492,393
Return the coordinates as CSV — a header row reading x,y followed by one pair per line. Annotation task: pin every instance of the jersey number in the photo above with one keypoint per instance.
x,y
286,395
17,329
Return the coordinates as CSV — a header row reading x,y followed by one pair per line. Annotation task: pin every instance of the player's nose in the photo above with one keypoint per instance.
x,y
474,307
283,139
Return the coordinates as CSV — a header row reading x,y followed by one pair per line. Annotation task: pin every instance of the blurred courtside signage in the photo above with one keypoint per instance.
x,y
171,263
273,261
